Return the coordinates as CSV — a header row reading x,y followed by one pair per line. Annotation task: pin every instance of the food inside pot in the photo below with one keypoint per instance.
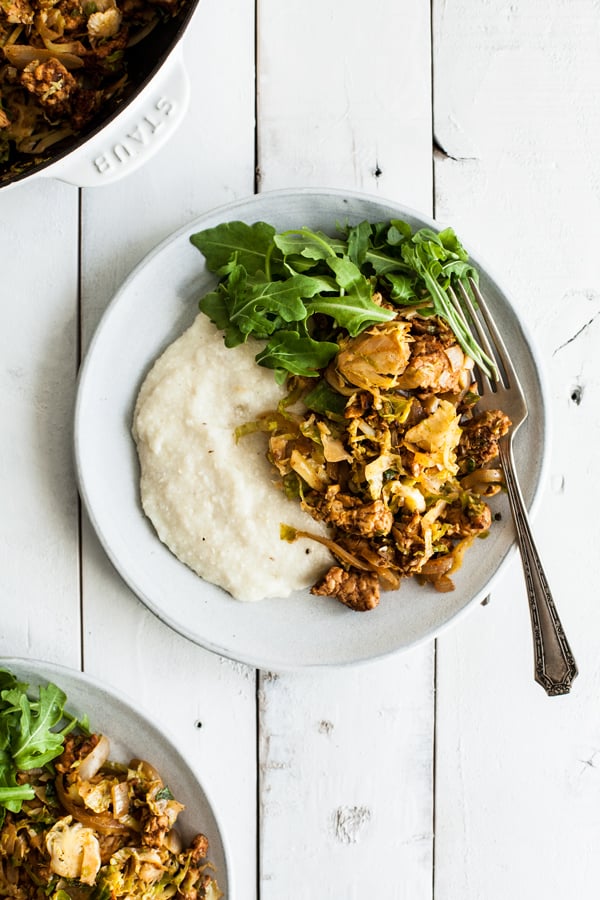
x,y
65,64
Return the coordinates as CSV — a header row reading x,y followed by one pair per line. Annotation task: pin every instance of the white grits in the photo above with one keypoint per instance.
x,y
213,502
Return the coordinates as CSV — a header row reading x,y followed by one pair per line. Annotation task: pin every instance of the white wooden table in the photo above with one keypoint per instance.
x,y
444,772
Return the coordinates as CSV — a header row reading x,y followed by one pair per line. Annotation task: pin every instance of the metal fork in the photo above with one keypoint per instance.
x,y
554,664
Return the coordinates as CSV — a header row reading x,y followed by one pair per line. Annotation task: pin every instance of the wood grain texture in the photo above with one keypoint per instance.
x,y
345,100
39,600
517,172
331,774
346,781
346,757
206,703
208,162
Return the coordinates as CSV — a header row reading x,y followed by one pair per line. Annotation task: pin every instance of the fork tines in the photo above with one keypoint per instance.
x,y
489,337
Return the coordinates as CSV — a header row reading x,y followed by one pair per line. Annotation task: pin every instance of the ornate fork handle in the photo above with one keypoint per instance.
x,y
555,666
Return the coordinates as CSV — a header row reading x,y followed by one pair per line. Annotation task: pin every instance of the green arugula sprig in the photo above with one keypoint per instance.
x,y
296,289
29,734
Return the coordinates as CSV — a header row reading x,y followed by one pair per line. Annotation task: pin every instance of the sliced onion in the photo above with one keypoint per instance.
x,y
120,799
20,55
101,822
339,552
94,760
390,580
311,471
334,450
39,143
430,403
57,47
482,477
145,769
455,356
439,566
142,33
443,584
337,382
173,841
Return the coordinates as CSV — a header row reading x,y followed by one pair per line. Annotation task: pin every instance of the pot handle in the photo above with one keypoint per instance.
x,y
135,135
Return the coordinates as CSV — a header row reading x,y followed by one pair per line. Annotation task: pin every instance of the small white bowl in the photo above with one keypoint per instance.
x,y
133,735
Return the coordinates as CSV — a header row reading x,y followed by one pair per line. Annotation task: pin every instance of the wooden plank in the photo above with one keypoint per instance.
x,y
209,161
346,755
207,704
344,100
346,781
517,118
39,595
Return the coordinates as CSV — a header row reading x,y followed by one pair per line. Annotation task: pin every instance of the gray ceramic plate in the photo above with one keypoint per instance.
x,y
156,304
132,735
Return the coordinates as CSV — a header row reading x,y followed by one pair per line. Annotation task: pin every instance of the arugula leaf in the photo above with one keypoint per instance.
x,y
358,242
12,797
250,244
29,734
35,744
216,307
313,245
244,305
353,311
291,351
324,399
259,307
349,276
435,257
398,232
402,288
384,253
11,793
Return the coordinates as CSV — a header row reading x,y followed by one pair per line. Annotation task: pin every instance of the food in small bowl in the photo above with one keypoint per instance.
x,y
75,821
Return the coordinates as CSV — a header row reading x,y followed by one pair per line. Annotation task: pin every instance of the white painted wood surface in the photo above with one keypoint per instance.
x,y
446,772
517,778
333,751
